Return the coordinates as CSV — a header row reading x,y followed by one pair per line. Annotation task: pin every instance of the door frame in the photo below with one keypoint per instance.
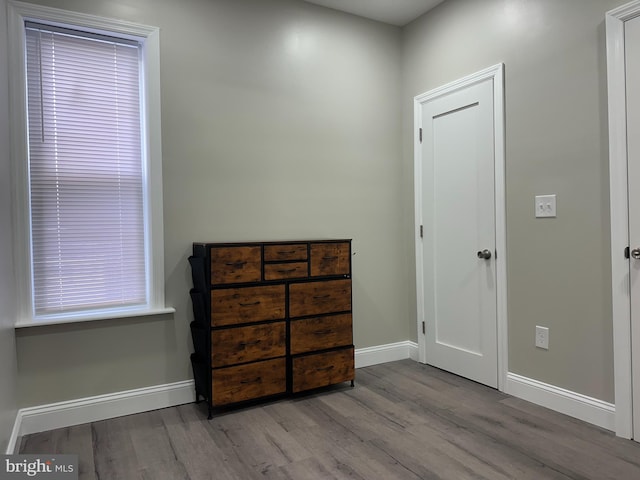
x,y
496,73
619,205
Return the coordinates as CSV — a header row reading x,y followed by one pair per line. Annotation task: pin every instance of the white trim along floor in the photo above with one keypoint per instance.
x,y
75,412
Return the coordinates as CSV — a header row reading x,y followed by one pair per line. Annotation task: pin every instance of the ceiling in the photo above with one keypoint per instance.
x,y
394,12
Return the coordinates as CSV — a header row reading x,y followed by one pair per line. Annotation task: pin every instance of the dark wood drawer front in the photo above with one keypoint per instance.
x,y
235,265
278,253
320,333
330,259
245,382
232,306
248,344
315,298
314,371
281,271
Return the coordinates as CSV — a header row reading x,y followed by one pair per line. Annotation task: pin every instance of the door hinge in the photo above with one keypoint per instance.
x,y
421,231
424,329
626,253
420,133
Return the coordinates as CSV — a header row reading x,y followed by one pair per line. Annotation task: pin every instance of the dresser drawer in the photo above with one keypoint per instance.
x,y
235,264
320,370
246,382
315,298
281,271
330,259
231,306
320,333
248,344
278,253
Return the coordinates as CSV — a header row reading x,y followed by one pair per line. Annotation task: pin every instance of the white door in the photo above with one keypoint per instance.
x,y
457,249
632,53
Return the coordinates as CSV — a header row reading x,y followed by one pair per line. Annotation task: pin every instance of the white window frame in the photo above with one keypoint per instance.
x,y
18,13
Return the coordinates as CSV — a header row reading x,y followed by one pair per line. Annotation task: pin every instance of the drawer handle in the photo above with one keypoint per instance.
x,y
236,264
287,270
320,297
252,304
253,380
324,369
326,331
286,252
247,344
327,257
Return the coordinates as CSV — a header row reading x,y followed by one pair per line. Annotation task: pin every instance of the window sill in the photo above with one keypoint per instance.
x,y
84,317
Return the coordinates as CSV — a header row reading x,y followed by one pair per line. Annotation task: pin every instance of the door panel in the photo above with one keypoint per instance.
x,y
458,205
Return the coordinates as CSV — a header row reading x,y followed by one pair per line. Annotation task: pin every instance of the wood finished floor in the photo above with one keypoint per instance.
x,y
402,420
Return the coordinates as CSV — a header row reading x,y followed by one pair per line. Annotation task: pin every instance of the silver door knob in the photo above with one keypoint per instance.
x,y
486,254
635,253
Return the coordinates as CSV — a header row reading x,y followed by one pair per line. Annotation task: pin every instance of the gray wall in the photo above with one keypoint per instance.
x,y
556,142
283,120
8,404
280,120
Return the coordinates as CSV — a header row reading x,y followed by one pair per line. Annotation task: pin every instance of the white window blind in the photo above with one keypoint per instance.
x,y
86,171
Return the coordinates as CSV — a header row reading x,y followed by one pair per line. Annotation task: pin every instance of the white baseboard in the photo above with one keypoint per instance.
x,y
101,407
15,435
570,403
92,409
413,351
366,357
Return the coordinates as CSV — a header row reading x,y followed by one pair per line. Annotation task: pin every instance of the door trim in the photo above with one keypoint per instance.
x,y
496,73
619,205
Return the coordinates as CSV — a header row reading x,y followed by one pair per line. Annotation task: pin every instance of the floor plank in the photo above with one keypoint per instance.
x,y
402,421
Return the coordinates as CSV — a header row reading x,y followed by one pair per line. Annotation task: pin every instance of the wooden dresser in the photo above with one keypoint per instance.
x,y
270,318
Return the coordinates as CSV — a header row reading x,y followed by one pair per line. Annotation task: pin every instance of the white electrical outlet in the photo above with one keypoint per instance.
x,y
542,337
545,206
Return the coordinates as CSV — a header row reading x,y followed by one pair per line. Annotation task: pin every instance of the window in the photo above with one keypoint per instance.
x,y
88,162
85,171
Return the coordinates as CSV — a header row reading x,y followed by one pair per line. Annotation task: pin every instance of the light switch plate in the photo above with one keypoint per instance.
x,y
545,206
